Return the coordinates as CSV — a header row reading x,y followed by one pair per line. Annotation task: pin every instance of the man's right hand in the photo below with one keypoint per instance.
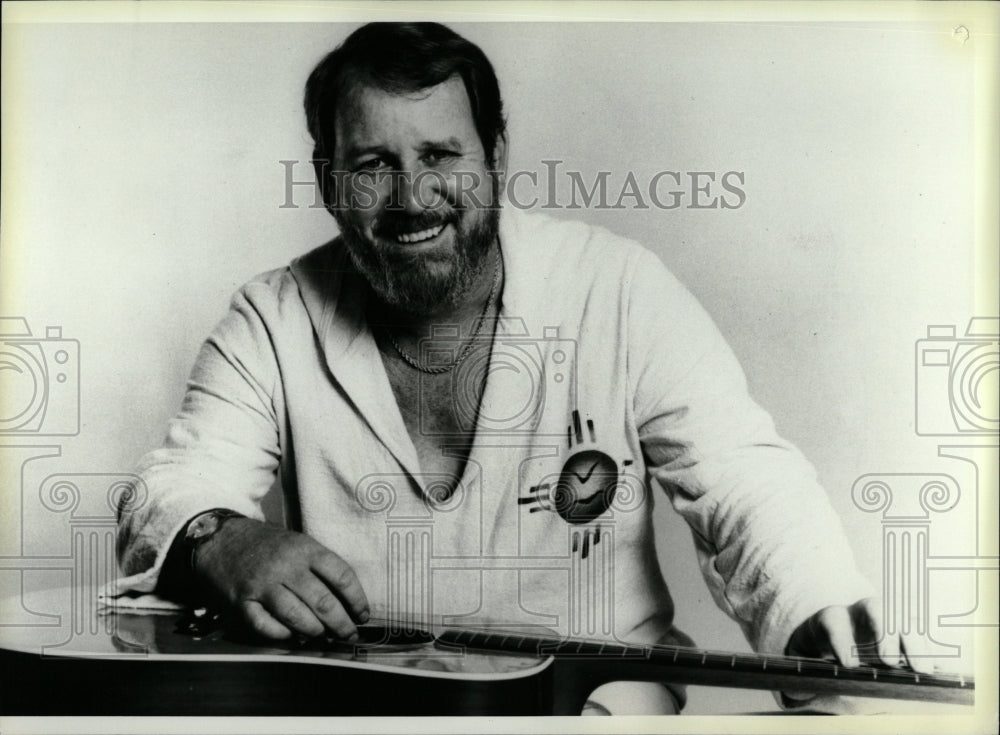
x,y
283,583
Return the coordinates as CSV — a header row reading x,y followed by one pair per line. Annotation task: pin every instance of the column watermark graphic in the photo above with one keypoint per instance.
x,y
418,560
83,553
955,400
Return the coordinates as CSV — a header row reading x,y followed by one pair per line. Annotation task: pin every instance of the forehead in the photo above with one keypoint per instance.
x,y
372,117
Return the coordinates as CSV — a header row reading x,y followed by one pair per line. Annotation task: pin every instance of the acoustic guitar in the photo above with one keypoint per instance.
x,y
107,662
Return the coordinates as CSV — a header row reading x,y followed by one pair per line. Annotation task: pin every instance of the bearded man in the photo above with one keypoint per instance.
x,y
521,383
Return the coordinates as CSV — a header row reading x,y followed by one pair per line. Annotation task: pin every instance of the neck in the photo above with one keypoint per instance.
x,y
470,307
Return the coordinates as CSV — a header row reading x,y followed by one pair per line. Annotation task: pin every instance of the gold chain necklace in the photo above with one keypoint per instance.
x,y
412,362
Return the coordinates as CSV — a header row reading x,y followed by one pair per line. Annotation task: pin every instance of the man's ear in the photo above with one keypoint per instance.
x,y
500,168
500,155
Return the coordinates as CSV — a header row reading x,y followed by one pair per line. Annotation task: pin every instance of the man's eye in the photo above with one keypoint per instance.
x,y
439,156
370,164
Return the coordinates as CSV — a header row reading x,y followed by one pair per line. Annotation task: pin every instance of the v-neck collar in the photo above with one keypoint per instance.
x,y
334,296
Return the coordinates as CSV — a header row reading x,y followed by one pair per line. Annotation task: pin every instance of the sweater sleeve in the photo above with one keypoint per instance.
x,y
221,449
770,546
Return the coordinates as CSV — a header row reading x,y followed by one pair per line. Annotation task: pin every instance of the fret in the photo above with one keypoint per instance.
x,y
745,661
591,648
781,664
547,647
612,649
638,651
909,677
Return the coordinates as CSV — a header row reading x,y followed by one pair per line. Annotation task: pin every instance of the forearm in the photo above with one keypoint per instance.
x,y
770,545
221,450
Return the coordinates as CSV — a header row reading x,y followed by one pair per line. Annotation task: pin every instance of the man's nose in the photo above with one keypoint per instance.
x,y
417,190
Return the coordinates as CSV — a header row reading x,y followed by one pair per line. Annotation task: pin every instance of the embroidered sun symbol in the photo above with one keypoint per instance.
x,y
584,489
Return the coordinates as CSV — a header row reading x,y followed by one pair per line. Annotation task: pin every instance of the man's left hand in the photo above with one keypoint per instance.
x,y
854,635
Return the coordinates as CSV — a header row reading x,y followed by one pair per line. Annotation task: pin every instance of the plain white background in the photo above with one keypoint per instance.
x,y
142,186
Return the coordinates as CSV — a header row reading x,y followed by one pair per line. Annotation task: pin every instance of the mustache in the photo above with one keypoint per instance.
x,y
391,224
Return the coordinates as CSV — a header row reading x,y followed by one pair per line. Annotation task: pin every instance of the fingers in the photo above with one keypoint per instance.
x,y
836,625
888,646
260,621
874,646
828,633
325,606
916,653
285,583
856,634
307,607
910,648
342,580
289,610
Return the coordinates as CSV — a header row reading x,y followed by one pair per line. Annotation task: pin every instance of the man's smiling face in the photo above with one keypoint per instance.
x,y
417,202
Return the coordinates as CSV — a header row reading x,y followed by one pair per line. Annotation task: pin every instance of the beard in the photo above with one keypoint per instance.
x,y
422,282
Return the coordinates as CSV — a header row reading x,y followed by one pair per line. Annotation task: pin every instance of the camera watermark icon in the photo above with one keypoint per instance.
x,y
522,368
39,381
957,380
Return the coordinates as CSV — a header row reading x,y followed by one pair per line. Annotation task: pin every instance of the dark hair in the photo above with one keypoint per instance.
x,y
401,58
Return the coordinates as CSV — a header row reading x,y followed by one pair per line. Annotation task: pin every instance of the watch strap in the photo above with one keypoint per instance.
x,y
193,544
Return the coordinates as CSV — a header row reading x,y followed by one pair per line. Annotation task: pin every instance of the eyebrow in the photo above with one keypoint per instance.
x,y
451,142
356,152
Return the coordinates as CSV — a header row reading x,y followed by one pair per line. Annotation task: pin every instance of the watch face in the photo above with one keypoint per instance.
x,y
202,526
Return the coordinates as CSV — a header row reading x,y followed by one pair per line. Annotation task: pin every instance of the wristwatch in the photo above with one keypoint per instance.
x,y
202,527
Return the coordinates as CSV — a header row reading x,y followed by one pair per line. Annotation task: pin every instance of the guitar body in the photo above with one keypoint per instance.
x,y
106,662
152,664
204,685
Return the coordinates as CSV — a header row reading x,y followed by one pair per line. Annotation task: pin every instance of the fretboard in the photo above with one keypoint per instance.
x,y
750,671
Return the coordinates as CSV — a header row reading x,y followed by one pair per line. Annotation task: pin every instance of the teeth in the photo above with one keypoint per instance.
x,y
420,236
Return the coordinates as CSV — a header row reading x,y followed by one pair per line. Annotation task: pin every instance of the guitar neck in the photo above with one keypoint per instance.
x,y
749,671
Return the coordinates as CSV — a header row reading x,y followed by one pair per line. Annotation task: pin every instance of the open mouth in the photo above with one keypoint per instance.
x,y
428,234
